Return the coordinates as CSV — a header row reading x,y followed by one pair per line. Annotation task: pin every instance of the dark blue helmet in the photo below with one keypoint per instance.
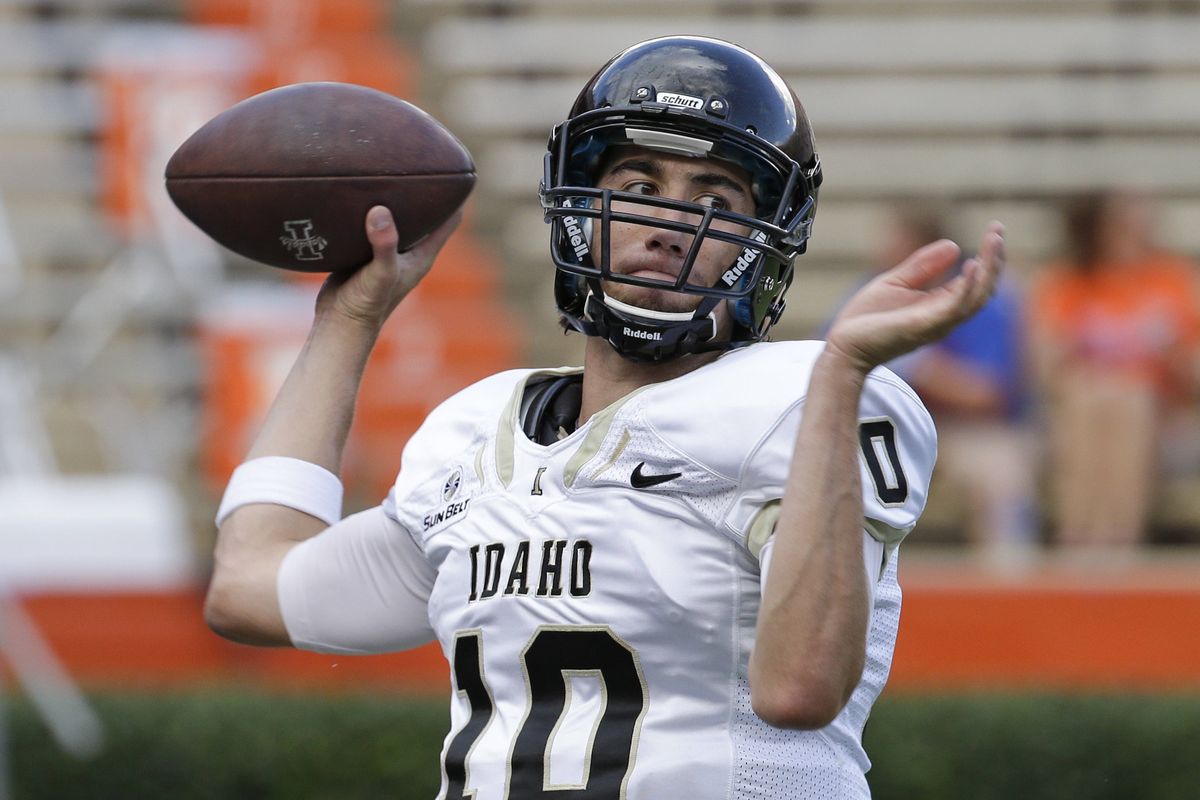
x,y
694,96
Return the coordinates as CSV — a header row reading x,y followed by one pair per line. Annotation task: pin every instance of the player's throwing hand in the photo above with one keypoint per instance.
x,y
369,295
912,304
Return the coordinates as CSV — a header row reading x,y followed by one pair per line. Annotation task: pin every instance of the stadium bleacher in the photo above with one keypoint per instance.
x,y
998,109
1001,111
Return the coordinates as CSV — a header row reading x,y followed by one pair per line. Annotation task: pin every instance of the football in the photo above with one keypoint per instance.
x,y
286,177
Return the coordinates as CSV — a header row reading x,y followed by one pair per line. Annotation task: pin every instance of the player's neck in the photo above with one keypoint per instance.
x,y
607,376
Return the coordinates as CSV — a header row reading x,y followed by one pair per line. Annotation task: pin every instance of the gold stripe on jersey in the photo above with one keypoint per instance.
x,y
762,527
510,422
616,453
479,464
887,535
600,422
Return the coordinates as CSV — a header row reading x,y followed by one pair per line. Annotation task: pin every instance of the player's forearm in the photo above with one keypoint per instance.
x,y
811,636
311,416
309,420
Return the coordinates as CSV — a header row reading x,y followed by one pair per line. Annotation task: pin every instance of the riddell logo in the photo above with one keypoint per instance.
x,y
576,237
636,334
748,256
301,240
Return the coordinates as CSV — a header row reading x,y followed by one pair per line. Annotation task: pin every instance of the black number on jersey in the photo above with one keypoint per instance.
x,y
468,682
551,655
878,441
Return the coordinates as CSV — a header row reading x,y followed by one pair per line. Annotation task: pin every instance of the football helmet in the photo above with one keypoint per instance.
x,y
690,96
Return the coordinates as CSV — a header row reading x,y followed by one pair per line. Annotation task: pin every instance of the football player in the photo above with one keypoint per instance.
x,y
669,573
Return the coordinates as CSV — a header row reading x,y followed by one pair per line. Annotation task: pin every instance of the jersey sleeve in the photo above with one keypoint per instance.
x,y
363,585
447,447
360,586
897,450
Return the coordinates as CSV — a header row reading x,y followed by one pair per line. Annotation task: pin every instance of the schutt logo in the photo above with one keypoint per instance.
x,y
302,242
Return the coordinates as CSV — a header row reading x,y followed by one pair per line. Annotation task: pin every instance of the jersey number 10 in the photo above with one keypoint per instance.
x,y
553,654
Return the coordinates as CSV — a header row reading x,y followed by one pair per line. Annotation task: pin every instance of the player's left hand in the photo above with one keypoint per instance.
x,y
912,304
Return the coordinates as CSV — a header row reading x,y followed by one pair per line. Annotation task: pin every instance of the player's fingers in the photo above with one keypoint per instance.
x,y
991,262
974,290
993,249
979,275
381,233
927,265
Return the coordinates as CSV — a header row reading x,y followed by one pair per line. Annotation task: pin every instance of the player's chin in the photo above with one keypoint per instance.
x,y
663,300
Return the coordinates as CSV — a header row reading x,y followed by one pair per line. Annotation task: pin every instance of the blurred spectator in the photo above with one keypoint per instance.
x,y
973,382
1115,335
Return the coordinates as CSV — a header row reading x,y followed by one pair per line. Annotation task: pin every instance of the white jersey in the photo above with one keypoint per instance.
x,y
597,598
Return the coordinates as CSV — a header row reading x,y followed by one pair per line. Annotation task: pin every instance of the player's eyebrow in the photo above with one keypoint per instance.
x,y
717,180
643,166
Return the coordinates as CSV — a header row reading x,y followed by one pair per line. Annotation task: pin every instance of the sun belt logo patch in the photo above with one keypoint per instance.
x,y
454,505
450,487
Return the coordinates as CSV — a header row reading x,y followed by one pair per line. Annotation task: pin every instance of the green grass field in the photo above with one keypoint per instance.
x,y
234,746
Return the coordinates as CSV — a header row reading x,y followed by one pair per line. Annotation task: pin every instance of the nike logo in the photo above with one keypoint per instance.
x,y
639,480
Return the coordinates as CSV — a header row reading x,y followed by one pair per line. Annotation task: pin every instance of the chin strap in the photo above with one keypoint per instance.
x,y
643,335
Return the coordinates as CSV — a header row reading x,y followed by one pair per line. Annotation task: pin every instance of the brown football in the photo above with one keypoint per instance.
x,y
286,177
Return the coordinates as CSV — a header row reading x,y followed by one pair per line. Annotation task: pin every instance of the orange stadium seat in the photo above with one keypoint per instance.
x,y
259,47
362,58
233,390
325,40
434,345
148,110
287,18
464,269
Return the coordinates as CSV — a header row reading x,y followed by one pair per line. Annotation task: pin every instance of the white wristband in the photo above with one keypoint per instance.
x,y
284,481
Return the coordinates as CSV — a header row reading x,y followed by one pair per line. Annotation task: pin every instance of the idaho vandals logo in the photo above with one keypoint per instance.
x,y
452,510
302,242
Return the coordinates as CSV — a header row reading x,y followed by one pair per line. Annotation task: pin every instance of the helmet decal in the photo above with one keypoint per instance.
x,y
744,262
577,237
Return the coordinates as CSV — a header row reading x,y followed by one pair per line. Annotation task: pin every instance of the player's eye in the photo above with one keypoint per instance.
x,y
713,201
640,187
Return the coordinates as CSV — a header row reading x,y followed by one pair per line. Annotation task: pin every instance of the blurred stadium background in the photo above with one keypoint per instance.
x,y
136,358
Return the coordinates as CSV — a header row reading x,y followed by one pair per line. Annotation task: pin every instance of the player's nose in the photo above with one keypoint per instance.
x,y
669,239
